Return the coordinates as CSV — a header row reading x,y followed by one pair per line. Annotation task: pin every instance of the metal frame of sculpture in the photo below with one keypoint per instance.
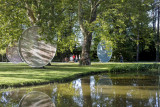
x,y
36,99
33,51
104,51
12,54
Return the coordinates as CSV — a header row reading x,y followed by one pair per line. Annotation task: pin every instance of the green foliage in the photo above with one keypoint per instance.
x,y
119,21
2,51
13,17
134,67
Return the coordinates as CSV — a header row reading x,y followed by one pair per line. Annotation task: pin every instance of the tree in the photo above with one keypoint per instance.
x,y
91,17
142,26
51,16
2,52
59,19
138,33
101,18
156,16
12,20
139,25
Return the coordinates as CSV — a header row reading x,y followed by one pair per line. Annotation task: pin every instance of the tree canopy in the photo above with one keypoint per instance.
x,y
120,21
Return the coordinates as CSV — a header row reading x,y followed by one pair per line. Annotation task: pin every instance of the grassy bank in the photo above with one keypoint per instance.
x,y
23,75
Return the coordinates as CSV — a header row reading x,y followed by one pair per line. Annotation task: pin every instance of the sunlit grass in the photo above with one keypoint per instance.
x,y
22,74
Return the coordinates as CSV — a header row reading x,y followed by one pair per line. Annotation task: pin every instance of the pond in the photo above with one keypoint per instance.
x,y
102,90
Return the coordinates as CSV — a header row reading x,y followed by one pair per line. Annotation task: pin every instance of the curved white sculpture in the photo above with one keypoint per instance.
x,y
104,51
33,51
13,54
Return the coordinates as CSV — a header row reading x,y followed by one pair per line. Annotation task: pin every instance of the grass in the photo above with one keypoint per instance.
x,y
16,75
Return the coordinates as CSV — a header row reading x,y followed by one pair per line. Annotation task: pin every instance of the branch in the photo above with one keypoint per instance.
x,y
93,10
97,4
30,14
80,19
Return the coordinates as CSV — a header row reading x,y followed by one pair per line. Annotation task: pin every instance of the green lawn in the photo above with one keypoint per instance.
x,y
22,74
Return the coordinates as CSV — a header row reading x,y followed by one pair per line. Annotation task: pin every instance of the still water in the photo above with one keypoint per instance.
x,y
102,90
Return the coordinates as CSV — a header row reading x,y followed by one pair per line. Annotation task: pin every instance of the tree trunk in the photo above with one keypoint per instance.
x,y
154,19
30,14
158,92
157,41
85,56
2,58
87,100
137,58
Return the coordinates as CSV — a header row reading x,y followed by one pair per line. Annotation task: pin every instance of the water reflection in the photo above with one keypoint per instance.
x,y
95,91
36,99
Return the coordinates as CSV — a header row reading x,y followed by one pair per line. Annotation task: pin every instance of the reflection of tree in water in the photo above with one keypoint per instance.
x,y
125,92
139,91
87,100
100,90
100,87
66,95
104,80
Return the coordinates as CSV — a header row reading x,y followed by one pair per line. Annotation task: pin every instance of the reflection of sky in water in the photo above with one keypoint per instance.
x,y
100,90
78,88
54,92
4,99
104,53
92,84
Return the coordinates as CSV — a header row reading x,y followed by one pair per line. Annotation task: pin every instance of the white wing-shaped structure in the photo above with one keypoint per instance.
x,y
104,51
13,54
33,51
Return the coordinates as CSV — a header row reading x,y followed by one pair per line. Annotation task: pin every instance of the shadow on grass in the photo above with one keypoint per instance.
x,y
61,67
58,72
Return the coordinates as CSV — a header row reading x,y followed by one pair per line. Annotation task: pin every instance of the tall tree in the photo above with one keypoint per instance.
x,y
157,36
138,25
60,19
91,17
